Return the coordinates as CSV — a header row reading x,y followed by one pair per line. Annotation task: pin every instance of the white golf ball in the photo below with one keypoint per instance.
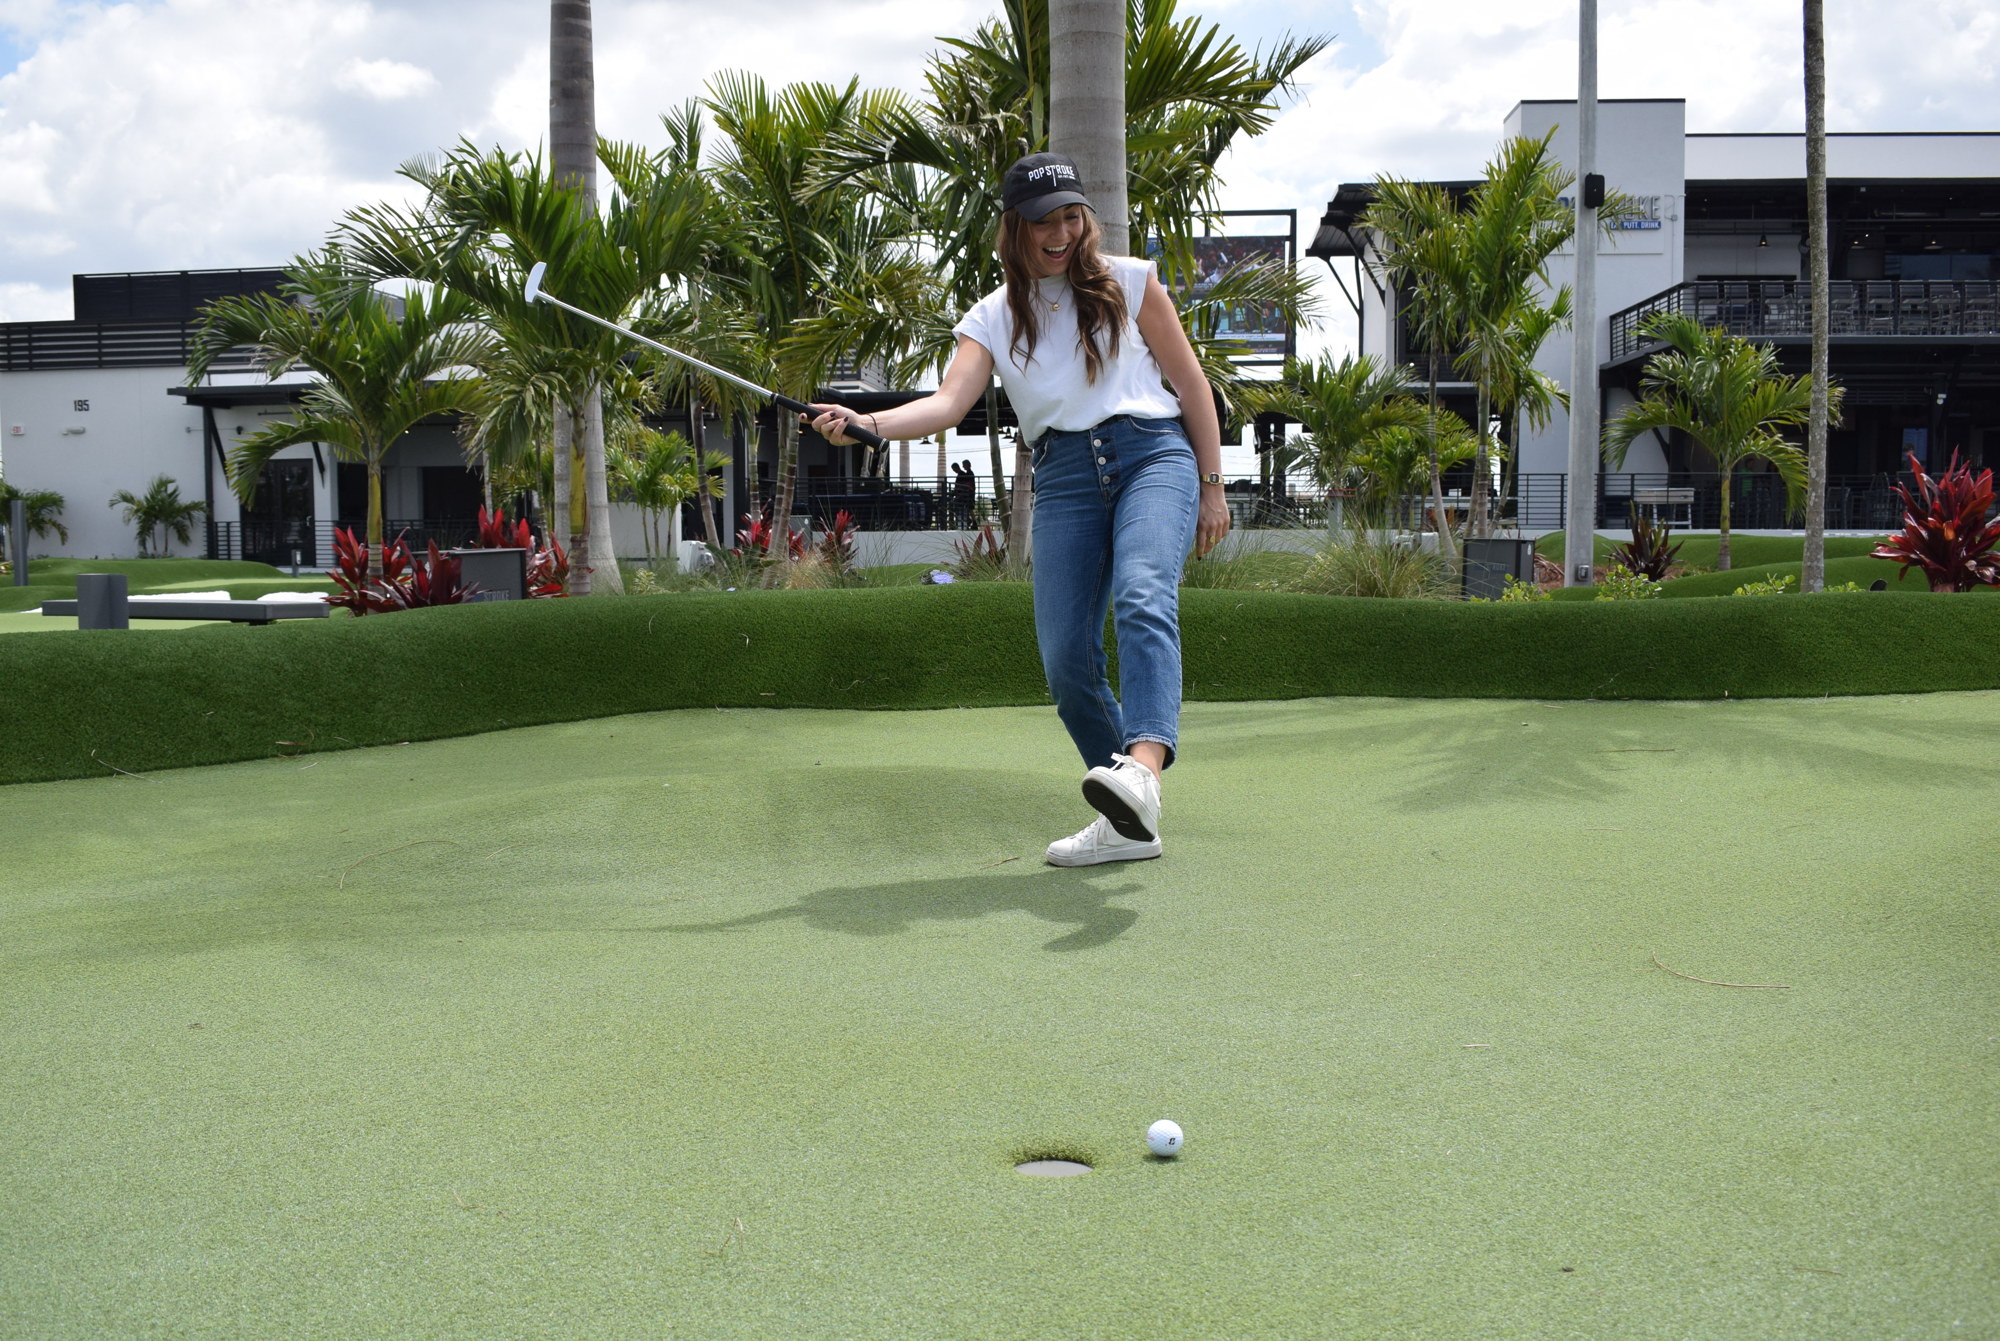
x,y
1163,1138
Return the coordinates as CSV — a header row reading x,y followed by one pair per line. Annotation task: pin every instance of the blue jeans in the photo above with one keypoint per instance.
x,y
1114,521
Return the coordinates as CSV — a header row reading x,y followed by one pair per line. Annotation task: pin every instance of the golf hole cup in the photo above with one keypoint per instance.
x,y
1163,1138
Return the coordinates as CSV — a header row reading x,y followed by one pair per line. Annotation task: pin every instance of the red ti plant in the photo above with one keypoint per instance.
x,y
496,532
755,537
404,585
836,547
359,592
436,581
1648,554
1946,529
548,569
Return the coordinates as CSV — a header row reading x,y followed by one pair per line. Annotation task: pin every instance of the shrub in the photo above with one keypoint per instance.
x,y
1622,584
1775,586
1233,565
983,559
1946,530
1365,565
1517,590
1648,554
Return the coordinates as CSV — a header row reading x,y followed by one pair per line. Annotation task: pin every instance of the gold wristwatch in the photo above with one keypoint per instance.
x,y
1212,477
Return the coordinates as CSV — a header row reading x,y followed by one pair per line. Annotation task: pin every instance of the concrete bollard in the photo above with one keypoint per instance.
x,y
100,601
17,538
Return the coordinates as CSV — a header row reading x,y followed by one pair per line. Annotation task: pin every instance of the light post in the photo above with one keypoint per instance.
x,y
1580,514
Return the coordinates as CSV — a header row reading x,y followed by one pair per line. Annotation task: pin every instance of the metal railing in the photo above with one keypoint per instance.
x,y
31,346
276,543
1686,500
1782,309
1534,503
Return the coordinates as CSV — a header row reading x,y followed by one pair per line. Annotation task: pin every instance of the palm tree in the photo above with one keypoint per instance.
x,y
1727,394
810,254
1393,464
384,366
1812,576
487,218
44,507
656,472
1418,225
1190,93
577,421
160,513
1343,406
1513,221
1479,283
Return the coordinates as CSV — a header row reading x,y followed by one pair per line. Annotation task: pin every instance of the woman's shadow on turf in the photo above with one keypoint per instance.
x,y
1059,896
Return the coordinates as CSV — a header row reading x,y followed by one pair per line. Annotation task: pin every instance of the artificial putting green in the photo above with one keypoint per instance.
x,y
731,1024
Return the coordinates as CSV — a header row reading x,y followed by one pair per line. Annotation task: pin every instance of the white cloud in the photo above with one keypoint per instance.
x,y
386,81
159,134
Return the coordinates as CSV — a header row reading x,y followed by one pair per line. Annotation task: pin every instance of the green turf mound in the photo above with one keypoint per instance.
x,y
55,579
78,704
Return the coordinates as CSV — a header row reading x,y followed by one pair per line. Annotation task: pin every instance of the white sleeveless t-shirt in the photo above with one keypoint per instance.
x,y
1050,390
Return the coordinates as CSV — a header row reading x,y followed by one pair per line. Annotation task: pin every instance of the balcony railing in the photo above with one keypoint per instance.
x,y
33,346
1782,309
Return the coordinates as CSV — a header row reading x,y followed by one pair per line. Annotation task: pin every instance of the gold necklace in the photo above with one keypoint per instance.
x,y
1055,304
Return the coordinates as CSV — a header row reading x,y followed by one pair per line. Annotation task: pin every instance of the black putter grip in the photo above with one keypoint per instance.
x,y
853,430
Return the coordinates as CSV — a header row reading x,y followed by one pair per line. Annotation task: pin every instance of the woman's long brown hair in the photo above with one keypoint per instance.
x,y
1100,303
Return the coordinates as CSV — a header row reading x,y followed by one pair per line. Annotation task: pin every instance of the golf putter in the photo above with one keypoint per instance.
x,y
535,293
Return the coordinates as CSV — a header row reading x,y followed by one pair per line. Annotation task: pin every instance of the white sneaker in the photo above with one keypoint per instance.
x,y
1099,843
1128,795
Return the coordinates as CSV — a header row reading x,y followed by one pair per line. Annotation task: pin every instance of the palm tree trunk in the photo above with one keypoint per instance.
x,y
1476,522
572,98
1812,575
1001,499
1722,547
558,523
779,548
1087,107
597,496
1437,472
374,517
1021,502
573,163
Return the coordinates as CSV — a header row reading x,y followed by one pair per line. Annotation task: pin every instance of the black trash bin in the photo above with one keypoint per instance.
x,y
1490,562
500,574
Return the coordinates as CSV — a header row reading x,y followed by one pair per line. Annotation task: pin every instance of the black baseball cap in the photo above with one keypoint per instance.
x,y
1040,183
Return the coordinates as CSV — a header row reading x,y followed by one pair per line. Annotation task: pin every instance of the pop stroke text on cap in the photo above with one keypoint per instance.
x,y
1051,170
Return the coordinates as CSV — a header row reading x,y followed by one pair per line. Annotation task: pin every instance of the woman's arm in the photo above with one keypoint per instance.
x,y
1161,326
964,382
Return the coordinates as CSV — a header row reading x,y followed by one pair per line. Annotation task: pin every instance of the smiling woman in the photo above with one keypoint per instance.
x,y
1126,480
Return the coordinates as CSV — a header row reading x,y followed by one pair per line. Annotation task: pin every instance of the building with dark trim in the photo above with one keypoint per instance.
x,y
1914,237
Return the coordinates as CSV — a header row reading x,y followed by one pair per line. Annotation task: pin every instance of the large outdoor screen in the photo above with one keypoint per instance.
x,y
1263,331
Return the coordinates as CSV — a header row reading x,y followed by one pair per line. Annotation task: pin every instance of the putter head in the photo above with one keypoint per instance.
x,y
532,290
